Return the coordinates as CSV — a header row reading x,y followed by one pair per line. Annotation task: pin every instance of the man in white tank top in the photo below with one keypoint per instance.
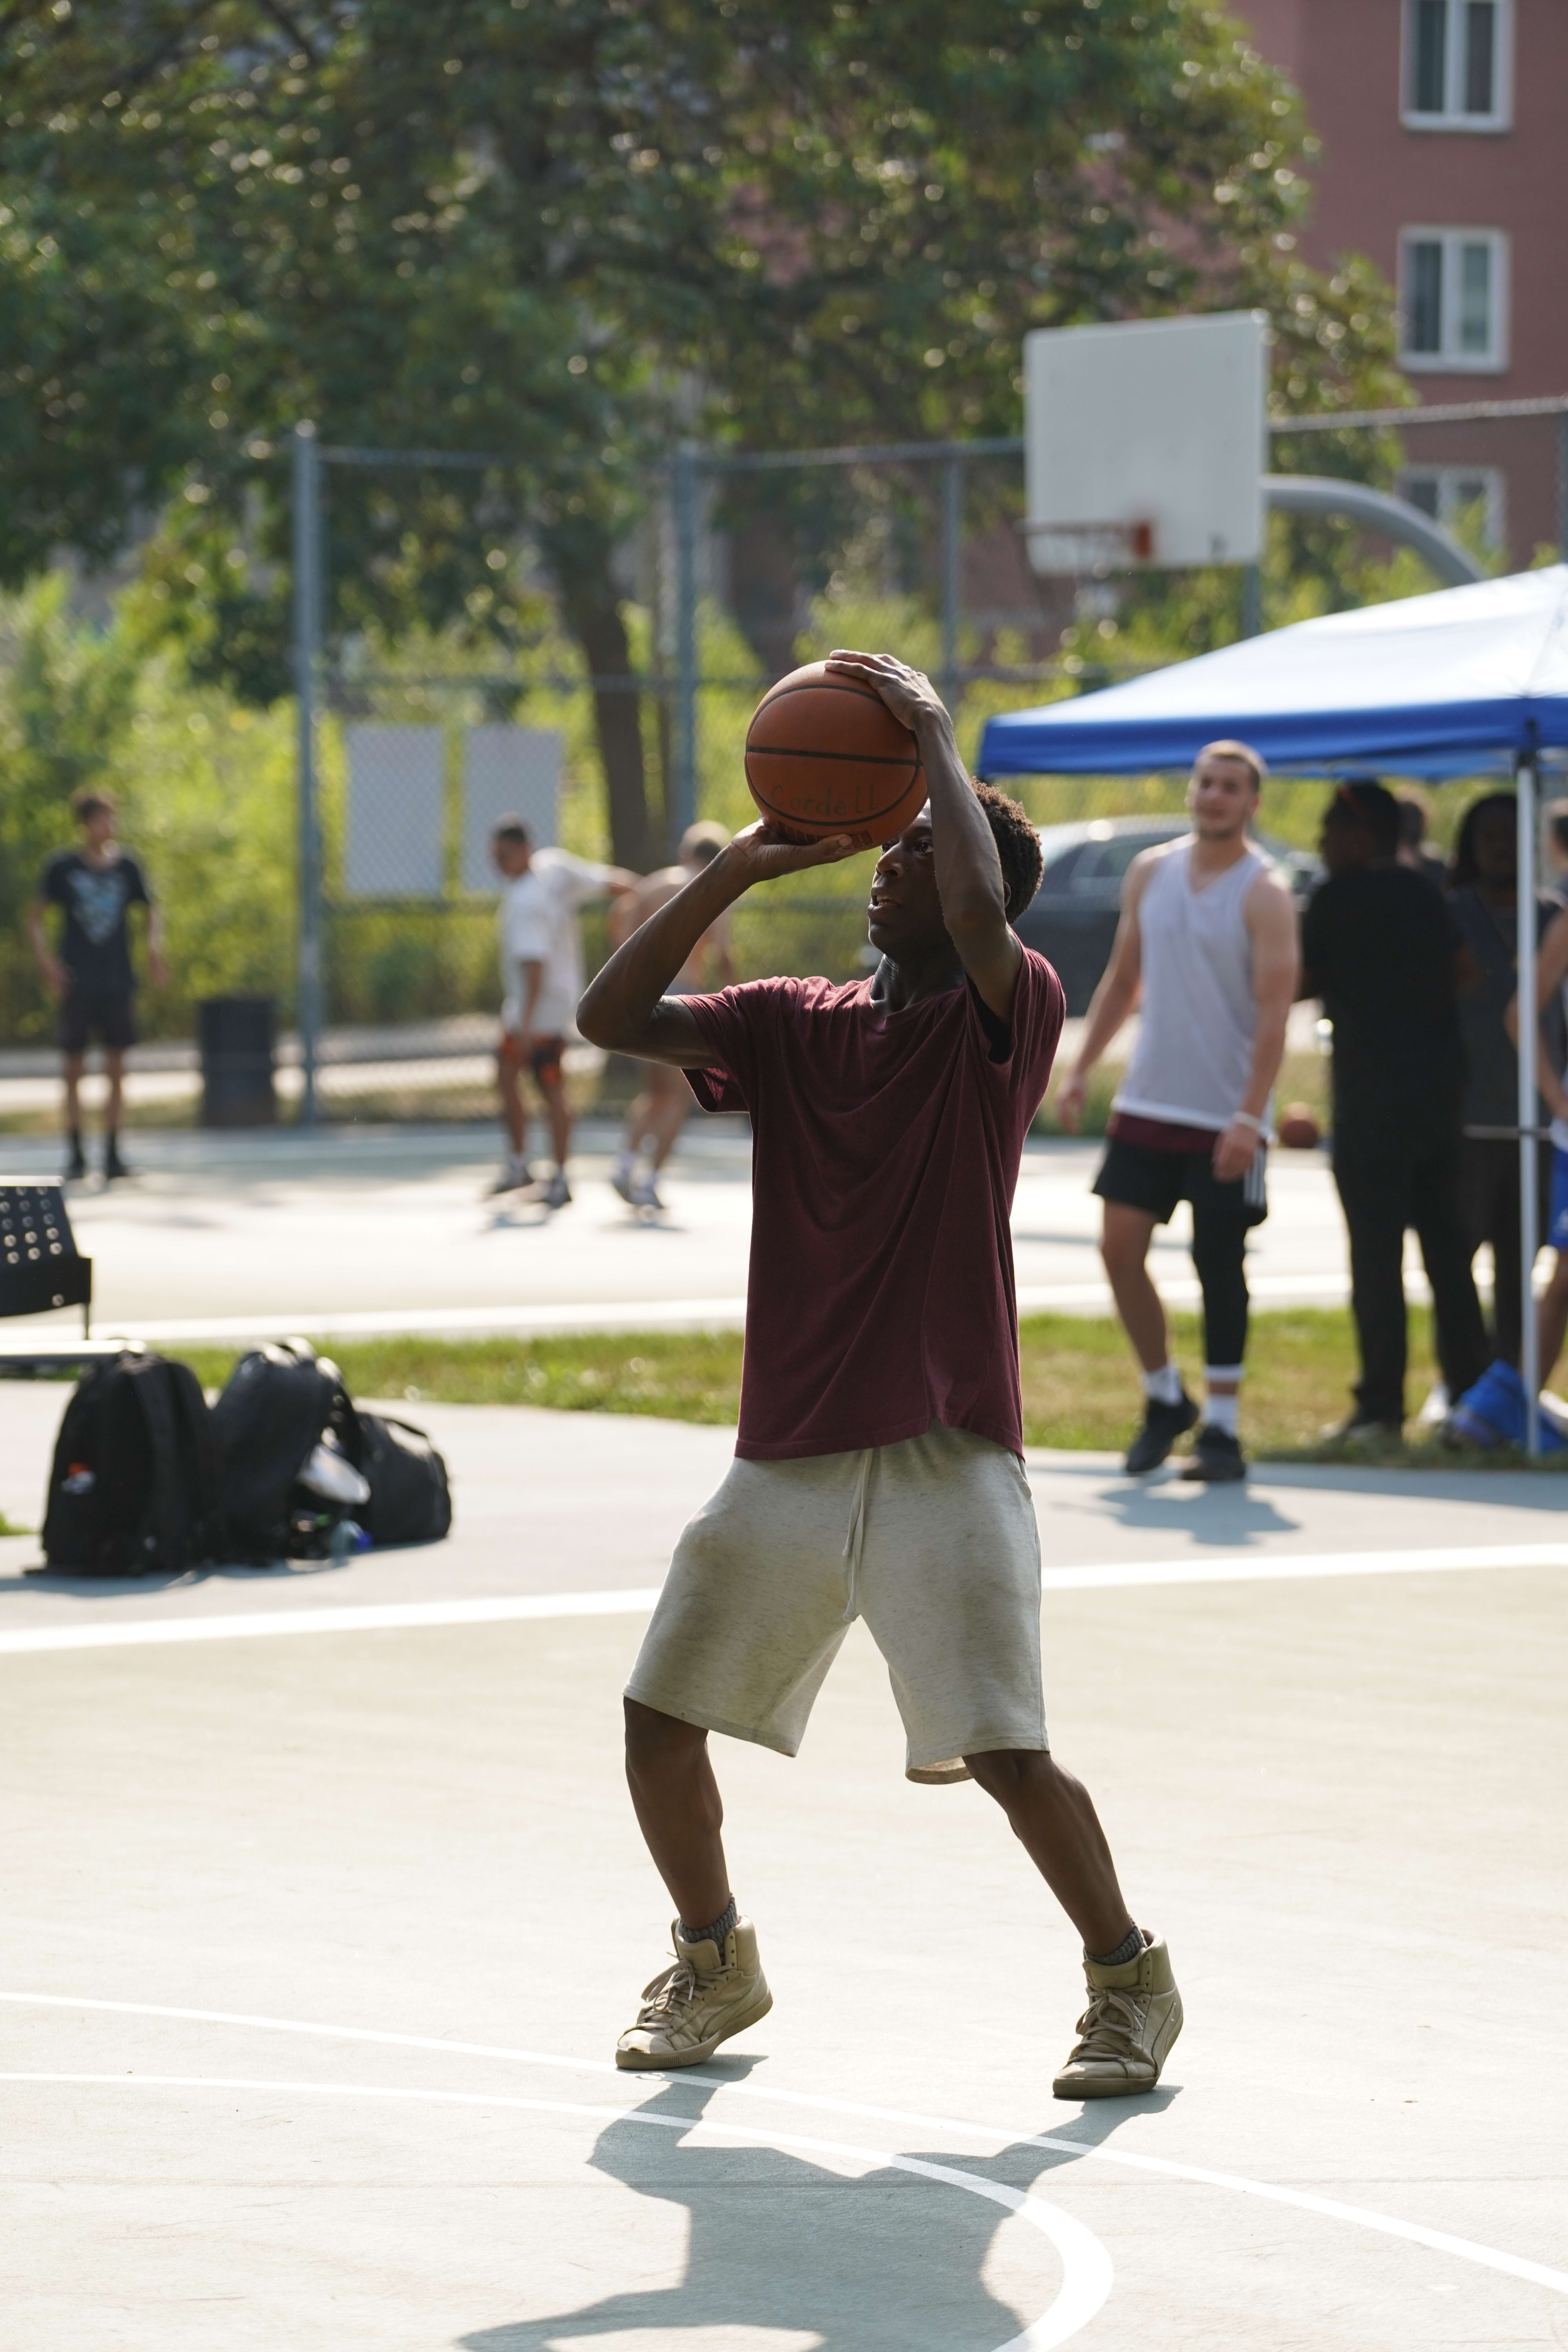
x,y
1208,936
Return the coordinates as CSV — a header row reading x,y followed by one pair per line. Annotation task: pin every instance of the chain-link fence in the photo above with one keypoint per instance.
x,y
743,567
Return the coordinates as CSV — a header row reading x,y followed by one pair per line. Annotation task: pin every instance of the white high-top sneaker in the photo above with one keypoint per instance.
x,y
1127,2032
706,1997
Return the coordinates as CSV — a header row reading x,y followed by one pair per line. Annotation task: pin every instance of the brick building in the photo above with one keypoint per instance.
x,y
1444,136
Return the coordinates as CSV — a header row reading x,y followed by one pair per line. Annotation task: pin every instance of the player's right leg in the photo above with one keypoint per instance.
x,y
750,1616
75,1162
1140,1189
515,1174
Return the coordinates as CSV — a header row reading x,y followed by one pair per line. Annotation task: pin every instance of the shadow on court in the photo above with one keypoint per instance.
x,y
879,2262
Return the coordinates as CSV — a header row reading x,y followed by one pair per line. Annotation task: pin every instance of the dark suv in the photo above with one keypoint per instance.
x,y
1073,918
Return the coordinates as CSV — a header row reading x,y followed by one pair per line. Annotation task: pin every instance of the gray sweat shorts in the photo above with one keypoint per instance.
x,y
933,1541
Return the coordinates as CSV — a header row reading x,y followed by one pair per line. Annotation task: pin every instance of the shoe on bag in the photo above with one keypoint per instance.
x,y
1127,2032
1162,1425
691,2008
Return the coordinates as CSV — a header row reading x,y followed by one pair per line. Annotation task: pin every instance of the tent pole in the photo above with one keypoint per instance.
x,y
1528,1105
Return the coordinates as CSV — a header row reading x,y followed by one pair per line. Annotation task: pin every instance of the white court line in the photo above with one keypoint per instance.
x,y
502,1608
1087,2273
1363,2217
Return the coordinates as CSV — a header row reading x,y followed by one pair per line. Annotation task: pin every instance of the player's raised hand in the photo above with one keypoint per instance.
x,y
762,853
907,693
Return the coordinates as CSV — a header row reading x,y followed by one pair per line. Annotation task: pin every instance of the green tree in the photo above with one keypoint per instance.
x,y
568,231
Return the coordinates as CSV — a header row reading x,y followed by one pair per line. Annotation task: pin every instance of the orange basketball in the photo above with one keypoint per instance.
x,y
824,754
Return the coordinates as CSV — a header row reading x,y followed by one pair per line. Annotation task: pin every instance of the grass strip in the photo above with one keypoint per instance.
x,y
1080,1386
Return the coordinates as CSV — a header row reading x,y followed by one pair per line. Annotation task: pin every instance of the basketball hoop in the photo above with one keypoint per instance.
x,y
1096,548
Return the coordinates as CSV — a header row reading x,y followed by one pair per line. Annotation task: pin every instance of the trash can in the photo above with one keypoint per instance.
x,y
237,1036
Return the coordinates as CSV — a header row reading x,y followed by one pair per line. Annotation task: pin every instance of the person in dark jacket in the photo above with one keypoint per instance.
x,y
1380,948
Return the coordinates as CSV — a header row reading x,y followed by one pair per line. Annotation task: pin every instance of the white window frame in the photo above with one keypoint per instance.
x,y
1449,480
1453,115
1452,359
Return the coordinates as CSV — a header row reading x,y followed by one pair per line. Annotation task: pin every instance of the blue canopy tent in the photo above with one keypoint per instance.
x,y
1464,682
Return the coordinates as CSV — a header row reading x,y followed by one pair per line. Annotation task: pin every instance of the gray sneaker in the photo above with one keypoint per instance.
x,y
646,1195
557,1192
705,1998
1126,2033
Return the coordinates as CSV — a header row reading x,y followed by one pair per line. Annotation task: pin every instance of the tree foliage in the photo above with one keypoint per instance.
x,y
567,231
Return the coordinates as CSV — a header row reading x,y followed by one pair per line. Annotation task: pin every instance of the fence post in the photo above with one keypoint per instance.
x,y
1252,600
307,522
683,491
952,575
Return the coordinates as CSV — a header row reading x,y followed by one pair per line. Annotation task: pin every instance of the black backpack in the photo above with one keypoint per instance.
x,y
410,1501
133,1485
277,1404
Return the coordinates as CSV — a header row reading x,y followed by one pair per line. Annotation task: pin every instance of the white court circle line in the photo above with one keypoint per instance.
x,y
1306,2201
499,1609
1087,2273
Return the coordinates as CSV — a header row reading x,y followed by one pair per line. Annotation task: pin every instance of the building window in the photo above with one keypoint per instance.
x,y
1459,64
1454,299
1467,497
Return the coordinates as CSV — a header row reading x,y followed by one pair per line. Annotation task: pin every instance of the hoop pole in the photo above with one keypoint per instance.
x,y
307,533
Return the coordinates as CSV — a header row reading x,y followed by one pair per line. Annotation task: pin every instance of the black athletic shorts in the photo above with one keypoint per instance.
x,y
1155,1181
106,1011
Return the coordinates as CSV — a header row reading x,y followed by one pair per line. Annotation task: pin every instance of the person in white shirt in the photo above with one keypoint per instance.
x,y
542,978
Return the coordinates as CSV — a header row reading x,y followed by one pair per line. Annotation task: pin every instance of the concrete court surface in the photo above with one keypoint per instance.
x,y
231,1237
1338,1793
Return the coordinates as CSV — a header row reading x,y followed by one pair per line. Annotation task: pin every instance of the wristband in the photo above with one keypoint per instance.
x,y
1245,1119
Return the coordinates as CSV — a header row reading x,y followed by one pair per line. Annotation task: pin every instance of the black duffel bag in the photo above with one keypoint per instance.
x,y
410,1500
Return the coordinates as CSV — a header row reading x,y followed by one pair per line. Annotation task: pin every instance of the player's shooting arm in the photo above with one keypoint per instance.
x,y
1270,918
624,1008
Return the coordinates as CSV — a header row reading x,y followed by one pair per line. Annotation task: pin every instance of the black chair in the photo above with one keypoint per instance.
x,y
41,1268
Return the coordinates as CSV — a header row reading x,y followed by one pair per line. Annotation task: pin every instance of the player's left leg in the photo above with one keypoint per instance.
x,y
948,1578
1223,1215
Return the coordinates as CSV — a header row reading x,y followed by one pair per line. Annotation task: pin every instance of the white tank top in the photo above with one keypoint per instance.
x,y
1194,1054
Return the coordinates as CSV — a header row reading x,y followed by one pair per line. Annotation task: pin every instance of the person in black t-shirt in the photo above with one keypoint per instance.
x,y
91,973
1380,948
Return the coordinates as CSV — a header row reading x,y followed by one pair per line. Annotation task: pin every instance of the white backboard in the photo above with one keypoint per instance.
x,y
1160,423
396,820
507,771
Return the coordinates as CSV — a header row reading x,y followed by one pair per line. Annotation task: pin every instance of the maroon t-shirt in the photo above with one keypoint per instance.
x,y
887,1146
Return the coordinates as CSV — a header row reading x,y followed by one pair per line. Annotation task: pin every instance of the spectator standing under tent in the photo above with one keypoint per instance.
x,y
1554,849
1483,900
91,973
1381,950
1415,816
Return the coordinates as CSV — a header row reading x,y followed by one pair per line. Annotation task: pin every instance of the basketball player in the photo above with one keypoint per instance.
x,y
658,1113
1209,931
542,974
878,1468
